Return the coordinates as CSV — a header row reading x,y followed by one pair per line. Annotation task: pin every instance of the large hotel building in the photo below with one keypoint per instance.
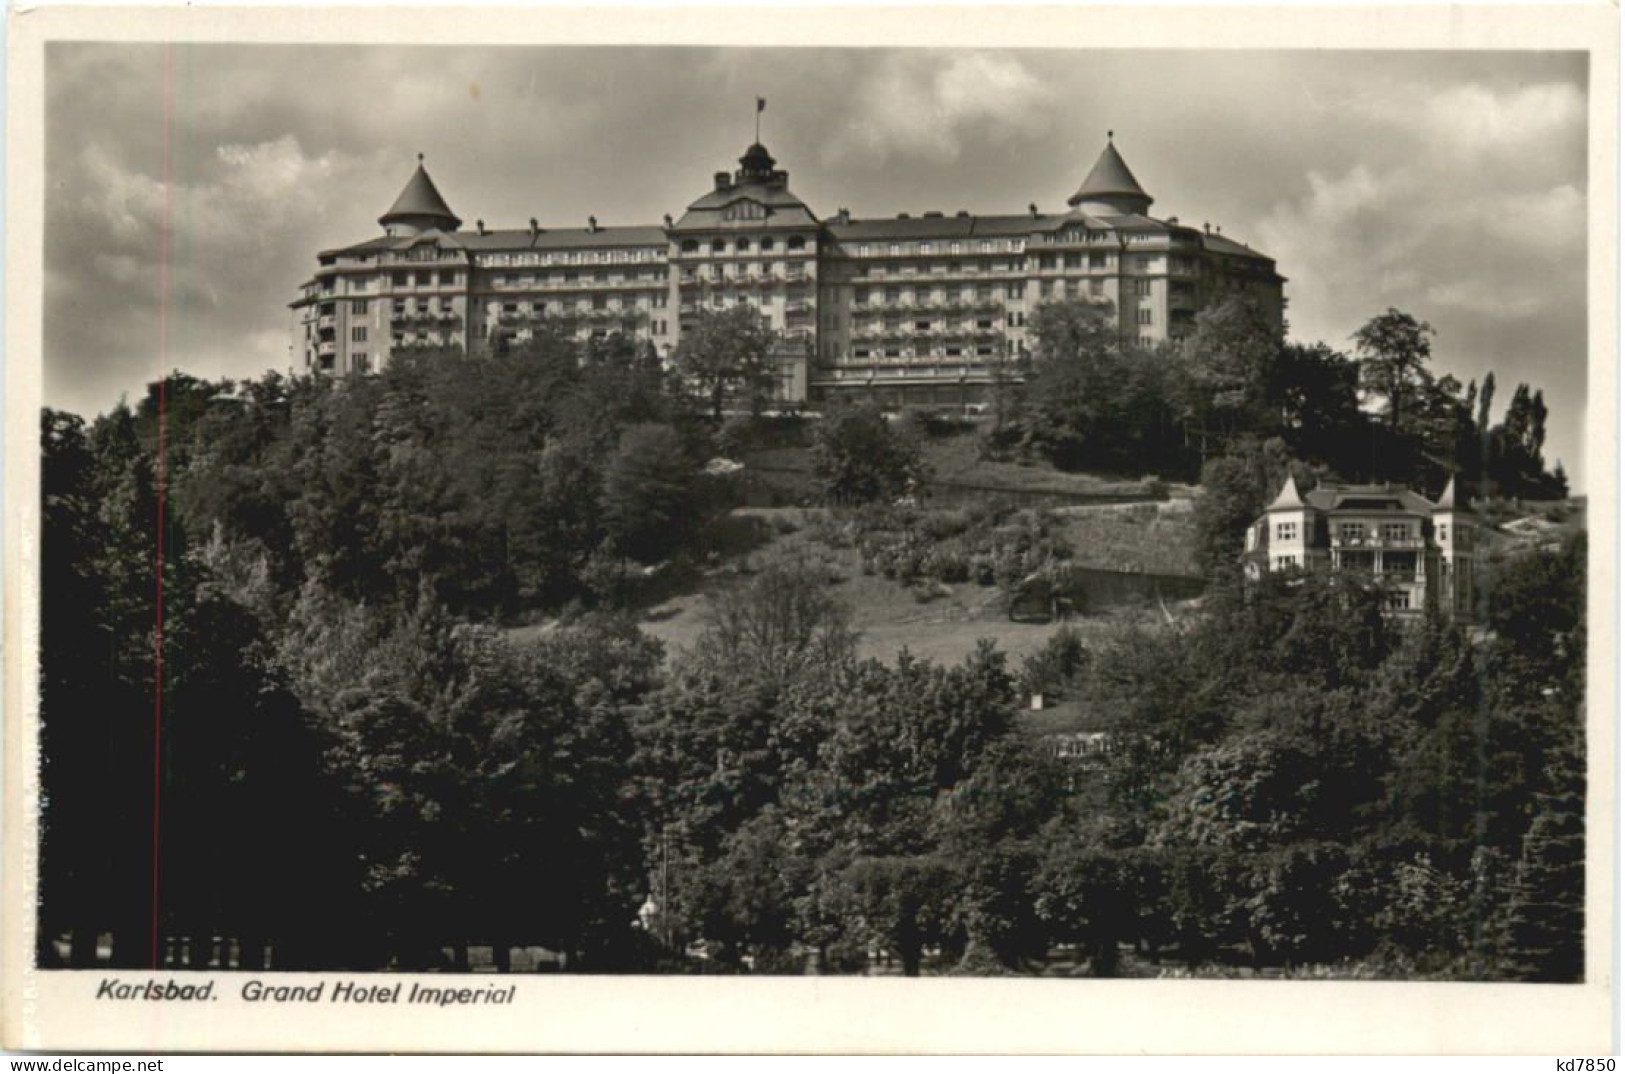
x,y
921,308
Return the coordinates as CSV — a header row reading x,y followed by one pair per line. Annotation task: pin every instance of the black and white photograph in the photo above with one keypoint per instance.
x,y
738,511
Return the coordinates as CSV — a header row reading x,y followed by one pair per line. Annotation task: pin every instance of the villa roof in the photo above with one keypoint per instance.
x,y
1366,498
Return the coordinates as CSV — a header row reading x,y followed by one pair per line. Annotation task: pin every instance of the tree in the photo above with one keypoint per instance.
x,y
651,493
728,352
1093,400
859,458
1231,358
782,622
1393,350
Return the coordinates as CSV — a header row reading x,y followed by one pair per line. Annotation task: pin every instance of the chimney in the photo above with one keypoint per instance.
x,y
1173,221
535,229
668,219
722,180
1207,227
1032,209
592,225
479,226
902,216
844,216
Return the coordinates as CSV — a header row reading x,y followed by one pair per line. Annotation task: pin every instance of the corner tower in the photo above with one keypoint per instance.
x,y
419,208
1110,189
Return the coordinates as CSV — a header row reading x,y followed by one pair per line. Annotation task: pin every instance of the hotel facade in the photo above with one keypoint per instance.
x,y
929,308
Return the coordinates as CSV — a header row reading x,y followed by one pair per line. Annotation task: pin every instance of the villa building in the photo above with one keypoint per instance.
x,y
1422,550
927,308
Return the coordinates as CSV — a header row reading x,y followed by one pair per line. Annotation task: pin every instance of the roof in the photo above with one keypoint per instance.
x,y
1218,244
1289,498
572,238
420,199
1351,498
940,227
1109,178
784,209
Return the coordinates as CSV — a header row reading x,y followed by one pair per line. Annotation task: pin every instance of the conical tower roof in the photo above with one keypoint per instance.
x,y
1447,498
1111,183
421,205
1289,497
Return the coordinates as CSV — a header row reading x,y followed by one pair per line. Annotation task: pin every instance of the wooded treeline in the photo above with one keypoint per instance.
x,y
361,768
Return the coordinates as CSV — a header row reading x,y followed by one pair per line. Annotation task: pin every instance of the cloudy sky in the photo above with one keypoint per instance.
x,y
1449,185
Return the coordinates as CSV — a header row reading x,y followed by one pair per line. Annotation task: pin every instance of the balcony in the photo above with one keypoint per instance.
x,y
1371,542
327,348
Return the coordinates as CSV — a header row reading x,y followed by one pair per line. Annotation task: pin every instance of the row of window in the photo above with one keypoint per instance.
x,y
766,244
762,270
653,277
571,257
657,300
927,247
1359,531
984,350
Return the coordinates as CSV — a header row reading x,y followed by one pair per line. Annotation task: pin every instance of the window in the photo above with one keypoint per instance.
x,y
922,326
361,363
896,248
1097,261
1395,531
799,243
1284,562
1097,288
358,334
1144,317
1351,532
690,246
1286,531
1142,288
718,246
1399,600
1013,291
1444,532
399,279
359,306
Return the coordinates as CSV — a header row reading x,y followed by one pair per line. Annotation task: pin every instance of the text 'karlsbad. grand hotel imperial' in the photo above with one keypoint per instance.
x,y
921,308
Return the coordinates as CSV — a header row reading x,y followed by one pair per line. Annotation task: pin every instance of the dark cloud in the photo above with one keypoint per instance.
x,y
1452,185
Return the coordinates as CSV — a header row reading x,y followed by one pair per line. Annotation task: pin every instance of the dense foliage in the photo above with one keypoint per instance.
x,y
1095,399
358,761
